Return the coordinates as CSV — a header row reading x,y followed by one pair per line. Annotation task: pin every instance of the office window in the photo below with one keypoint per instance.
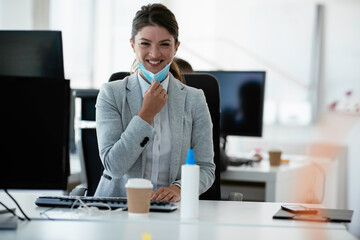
x,y
243,35
75,20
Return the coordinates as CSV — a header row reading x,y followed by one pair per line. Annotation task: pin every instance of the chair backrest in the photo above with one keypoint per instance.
x,y
88,100
118,76
91,158
210,86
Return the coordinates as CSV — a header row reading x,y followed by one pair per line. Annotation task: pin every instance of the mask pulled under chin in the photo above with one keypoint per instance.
x,y
151,76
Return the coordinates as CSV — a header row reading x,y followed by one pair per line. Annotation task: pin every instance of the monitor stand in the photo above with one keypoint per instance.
x,y
7,221
226,161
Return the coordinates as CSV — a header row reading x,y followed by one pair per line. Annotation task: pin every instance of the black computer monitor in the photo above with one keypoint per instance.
x,y
35,133
31,54
241,102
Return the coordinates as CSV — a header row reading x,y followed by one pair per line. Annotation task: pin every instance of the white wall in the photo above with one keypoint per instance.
x,y
342,50
16,14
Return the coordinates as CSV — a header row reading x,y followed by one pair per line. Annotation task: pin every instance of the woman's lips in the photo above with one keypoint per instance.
x,y
154,63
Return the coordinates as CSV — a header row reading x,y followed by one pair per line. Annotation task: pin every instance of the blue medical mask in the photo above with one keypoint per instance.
x,y
151,76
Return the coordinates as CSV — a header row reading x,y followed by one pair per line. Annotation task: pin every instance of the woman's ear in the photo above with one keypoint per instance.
x,y
132,44
176,47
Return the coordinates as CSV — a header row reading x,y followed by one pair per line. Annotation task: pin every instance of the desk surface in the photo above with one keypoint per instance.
x,y
217,220
69,230
263,171
289,182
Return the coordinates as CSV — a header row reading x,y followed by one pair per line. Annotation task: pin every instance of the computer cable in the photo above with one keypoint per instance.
x,y
12,212
44,213
27,218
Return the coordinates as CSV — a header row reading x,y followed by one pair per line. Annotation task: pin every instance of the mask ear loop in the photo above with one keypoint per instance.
x,y
134,66
89,209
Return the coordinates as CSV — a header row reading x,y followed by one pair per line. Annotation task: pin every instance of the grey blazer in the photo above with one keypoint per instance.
x,y
123,136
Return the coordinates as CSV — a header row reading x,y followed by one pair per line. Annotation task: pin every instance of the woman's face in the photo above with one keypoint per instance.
x,y
155,47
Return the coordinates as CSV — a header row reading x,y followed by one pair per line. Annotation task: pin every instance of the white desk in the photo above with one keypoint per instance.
x,y
46,230
290,182
217,220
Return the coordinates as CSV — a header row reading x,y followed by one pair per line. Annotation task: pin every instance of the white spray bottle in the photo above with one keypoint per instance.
x,y
189,205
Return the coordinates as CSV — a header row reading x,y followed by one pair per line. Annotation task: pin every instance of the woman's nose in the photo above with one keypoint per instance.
x,y
155,52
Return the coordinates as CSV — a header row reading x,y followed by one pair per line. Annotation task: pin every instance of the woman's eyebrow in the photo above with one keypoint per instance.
x,y
166,40
145,39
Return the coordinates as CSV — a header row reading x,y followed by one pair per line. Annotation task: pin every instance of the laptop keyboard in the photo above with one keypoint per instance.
x,y
113,202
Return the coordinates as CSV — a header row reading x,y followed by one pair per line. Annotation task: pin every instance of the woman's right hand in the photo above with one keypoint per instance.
x,y
154,100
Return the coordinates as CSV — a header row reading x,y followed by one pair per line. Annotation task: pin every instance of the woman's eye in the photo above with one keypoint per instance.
x,y
165,44
144,44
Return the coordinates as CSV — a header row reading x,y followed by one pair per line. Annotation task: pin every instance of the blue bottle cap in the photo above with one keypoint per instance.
x,y
190,160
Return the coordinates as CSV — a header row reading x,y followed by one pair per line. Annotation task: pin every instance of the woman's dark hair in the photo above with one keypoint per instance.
x,y
184,66
158,15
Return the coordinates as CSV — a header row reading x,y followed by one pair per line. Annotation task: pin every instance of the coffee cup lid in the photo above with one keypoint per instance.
x,y
138,183
274,150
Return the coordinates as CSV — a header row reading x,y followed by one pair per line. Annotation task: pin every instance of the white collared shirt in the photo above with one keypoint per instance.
x,y
157,168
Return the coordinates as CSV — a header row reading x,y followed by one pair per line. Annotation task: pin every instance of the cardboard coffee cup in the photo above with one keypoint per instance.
x,y
138,193
275,157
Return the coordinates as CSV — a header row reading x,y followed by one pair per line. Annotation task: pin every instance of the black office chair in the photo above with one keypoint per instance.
x,y
210,86
92,162
87,144
118,76
88,100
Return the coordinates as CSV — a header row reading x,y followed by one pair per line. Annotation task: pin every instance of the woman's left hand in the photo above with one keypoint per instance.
x,y
171,193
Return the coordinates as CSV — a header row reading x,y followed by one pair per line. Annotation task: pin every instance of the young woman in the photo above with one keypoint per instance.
x,y
146,122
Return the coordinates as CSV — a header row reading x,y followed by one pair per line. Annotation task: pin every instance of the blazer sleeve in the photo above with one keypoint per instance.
x,y
202,142
120,143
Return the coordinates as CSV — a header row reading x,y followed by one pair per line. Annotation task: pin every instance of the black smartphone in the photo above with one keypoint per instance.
x,y
299,209
309,217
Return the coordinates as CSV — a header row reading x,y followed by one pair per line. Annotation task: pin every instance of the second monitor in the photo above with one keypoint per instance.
x,y
31,54
241,102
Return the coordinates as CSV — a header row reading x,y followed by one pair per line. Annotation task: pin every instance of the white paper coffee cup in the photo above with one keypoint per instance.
x,y
138,191
275,157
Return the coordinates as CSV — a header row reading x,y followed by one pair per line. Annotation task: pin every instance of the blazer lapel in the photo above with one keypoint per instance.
x,y
176,103
134,100
134,96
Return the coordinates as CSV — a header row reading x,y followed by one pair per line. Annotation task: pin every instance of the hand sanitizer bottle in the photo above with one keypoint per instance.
x,y
189,205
